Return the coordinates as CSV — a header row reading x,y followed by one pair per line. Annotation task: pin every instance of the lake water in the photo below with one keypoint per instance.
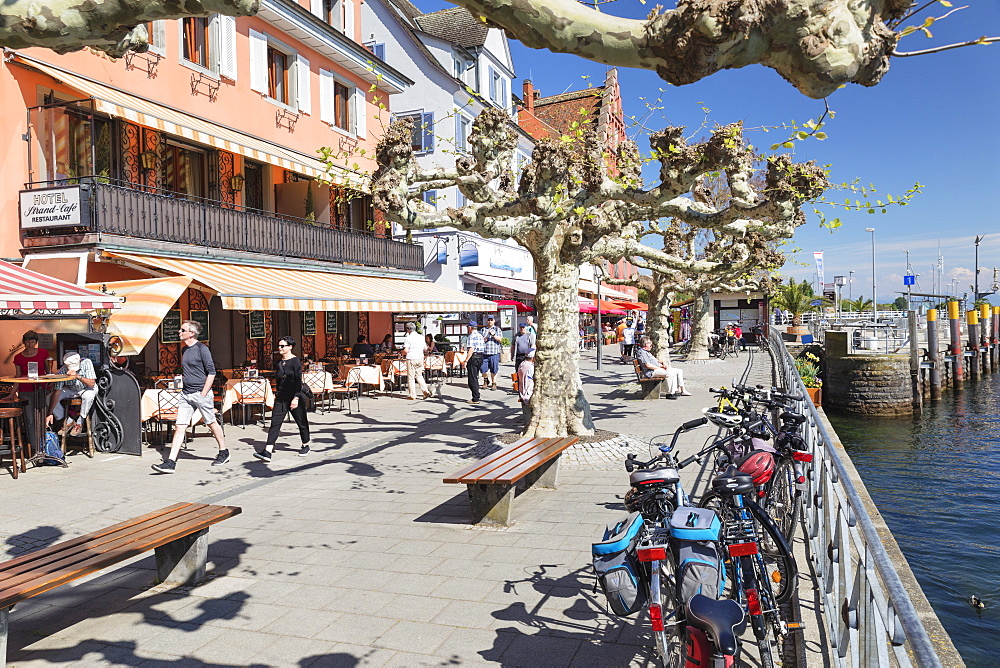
x,y
936,480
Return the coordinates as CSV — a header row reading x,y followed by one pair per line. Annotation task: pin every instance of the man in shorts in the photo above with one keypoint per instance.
x,y
492,337
196,396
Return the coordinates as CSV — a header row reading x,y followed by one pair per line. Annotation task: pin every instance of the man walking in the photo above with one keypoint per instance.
x,y
475,347
491,362
413,348
198,376
523,342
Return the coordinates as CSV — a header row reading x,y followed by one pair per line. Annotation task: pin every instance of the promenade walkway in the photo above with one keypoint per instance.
x,y
357,554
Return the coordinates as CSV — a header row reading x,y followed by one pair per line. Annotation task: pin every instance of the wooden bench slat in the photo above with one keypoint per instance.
x,y
39,559
37,554
503,469
459,475
504,460
128,545
524,468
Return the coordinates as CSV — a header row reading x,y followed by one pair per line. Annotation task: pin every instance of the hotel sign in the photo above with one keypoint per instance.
x,y
51,207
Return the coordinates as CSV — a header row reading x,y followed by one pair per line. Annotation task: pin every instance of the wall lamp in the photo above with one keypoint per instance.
x,y
236,183
148,160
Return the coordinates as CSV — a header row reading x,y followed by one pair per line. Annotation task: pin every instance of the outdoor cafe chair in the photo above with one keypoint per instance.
x,y
168,401
253,392
349,389
316,382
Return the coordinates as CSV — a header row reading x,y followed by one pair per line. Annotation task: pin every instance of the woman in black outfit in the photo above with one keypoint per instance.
x,y
287,397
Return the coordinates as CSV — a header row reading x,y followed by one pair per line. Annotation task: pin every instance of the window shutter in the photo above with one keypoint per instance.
x,y
258,62
326,96
303,80
427,124
316,7
360,113
159,35
227,46
349,18
379,51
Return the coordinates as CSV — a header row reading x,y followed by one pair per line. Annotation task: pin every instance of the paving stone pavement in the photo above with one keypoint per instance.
x,y
357,554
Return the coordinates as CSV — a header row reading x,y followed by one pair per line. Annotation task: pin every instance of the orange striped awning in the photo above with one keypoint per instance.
x,y
154,115
255,288
146,302
26,292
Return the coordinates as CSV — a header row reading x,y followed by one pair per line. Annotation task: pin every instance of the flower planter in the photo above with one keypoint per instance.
x,y
816,395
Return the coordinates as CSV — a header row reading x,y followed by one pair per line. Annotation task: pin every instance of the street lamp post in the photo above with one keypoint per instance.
x,y
909,288
975,289
874,282
838,284
850,285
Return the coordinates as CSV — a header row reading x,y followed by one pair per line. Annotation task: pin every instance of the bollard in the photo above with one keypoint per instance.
x,y
984,338
918,396
955,348
972,320
934,353
995,339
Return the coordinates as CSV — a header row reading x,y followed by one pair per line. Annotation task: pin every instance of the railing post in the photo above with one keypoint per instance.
x,y
934,353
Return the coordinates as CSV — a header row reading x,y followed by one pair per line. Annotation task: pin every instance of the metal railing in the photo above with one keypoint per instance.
x,y
870,618
148,213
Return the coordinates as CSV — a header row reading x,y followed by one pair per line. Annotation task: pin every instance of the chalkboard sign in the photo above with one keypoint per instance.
x,y
331,322
170,327
309,323
201,317
256,324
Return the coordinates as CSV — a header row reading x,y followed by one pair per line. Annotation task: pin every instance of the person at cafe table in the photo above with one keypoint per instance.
x,y
82,385
362,348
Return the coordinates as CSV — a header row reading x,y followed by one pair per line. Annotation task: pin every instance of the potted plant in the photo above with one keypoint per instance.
x,y
797,298
504,350
807,365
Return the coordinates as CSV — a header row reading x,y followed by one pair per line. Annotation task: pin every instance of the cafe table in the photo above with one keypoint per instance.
x,y
234,393
367,375
43,385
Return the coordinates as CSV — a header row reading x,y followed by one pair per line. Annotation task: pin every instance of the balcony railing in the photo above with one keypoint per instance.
x,y
147,213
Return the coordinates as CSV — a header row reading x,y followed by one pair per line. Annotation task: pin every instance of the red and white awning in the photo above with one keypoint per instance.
x,y
29,292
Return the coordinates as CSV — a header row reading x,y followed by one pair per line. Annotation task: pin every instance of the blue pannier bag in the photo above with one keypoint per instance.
x,y
52,448
700,567
618,569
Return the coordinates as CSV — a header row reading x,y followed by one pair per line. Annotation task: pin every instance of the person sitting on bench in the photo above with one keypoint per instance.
x,y
653,368
83,385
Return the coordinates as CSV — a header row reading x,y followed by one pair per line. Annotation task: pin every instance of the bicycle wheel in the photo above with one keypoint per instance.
x,y
779,564
669,642
722,352
766,653
782,500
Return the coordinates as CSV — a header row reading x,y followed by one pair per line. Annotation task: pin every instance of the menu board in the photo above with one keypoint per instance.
x,y
331,322
256,324
309,323
170,327
201,317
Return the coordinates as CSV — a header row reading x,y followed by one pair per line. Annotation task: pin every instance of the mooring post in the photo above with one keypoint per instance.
x,y
972,320
934,353
995,338
984,337
918,395
956,349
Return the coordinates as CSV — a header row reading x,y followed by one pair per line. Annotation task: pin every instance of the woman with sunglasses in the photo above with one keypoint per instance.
x,y
288,397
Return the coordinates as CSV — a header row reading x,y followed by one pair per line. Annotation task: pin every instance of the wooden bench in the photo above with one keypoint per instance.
x,y
177,533
492,481
650,386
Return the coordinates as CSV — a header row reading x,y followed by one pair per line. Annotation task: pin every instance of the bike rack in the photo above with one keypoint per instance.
x,y
870,618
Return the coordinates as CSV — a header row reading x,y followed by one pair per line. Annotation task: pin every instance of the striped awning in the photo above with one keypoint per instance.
x,y
254,288
118,103
28,292
146,302
586,285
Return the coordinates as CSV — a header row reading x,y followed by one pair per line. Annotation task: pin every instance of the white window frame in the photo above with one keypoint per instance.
x,y
158,37
421,118
356,104
299,93
463,129
214,47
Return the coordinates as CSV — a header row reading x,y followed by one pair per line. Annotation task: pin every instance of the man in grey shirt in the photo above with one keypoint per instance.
x,y
523,342
199,374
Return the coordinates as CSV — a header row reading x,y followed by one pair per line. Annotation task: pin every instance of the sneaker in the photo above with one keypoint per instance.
x,y
166,466
473,401
223,458
304,450
262,455
77,428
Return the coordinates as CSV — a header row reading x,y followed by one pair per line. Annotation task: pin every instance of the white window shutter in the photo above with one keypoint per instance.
x,y
303,80
349,18
326,96
316,6
360,113
258,62
227,46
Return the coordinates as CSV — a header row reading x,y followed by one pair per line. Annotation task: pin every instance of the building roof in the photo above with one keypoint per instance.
x,y
455,25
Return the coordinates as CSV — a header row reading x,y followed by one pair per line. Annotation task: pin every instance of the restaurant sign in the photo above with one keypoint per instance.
x,y
51,207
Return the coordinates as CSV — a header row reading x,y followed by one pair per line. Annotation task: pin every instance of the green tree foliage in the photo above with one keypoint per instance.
x,y
797,297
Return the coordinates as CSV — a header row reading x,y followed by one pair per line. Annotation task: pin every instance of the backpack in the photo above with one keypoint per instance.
x,y
52,448
618,569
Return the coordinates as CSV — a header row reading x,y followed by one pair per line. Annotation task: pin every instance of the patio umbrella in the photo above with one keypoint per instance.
x,y
521,308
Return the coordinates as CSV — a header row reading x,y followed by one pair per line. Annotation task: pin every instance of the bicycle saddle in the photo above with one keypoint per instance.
x,y
789,416
666,475
718,618
732,481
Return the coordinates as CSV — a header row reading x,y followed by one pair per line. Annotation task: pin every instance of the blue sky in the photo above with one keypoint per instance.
x,y
932,119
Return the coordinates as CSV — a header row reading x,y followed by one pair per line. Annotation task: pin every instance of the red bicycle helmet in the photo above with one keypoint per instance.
x,y
759,466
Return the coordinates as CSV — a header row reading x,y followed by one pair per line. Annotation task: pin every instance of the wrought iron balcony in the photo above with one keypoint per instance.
x,y
130,210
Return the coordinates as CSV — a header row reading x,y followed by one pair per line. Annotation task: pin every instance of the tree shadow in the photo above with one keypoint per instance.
x,y
31,540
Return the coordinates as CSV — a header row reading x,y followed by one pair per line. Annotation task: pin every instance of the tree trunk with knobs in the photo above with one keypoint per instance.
x,y
701,326
658,320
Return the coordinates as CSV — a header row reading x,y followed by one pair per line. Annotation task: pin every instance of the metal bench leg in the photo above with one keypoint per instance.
x,y
4,627
491,504
182,561
545,476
